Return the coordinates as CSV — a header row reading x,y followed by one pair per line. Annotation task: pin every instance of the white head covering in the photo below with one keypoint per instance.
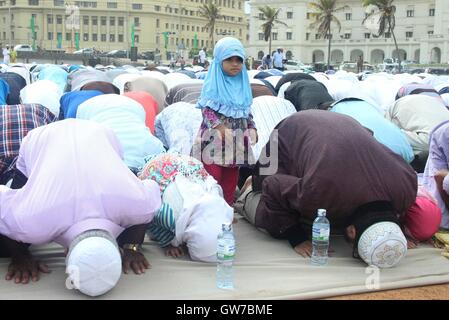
x,y
44,92
203,213
94,264
383,245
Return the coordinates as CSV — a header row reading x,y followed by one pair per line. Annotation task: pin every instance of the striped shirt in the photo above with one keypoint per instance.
x,y
267,112
186,92
15,122
162,227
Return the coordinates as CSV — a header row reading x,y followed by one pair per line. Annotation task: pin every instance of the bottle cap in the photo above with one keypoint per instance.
x,y
321,212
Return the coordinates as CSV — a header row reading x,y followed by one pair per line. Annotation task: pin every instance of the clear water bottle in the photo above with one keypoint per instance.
x,y
225,257
320,239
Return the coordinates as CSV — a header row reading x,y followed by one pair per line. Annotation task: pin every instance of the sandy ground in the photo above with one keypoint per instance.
x,y
437,292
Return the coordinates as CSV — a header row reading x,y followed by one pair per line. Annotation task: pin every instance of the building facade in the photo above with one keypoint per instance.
x,y
107,24
422,32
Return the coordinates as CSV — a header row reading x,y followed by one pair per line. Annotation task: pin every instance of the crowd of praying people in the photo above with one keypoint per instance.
x,y
96,158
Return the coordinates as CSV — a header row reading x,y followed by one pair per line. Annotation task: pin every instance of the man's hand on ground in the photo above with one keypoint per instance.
x,y
134,260
174,252
304,249
22,267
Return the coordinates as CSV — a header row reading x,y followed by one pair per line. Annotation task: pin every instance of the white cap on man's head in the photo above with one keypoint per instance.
x,y
94,263
382,245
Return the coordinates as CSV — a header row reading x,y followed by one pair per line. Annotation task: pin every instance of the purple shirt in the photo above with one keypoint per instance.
x,y
438,160
77,181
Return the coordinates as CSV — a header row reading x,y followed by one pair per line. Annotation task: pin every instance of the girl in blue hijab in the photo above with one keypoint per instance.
x,y
228,127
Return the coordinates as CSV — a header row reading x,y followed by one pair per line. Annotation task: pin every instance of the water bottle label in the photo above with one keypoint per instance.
x,y
320,234
226,252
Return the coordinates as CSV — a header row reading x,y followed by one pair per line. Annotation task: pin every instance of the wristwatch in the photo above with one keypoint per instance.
x,y
131,246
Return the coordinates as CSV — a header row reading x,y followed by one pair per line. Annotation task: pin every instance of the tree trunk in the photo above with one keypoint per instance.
x,y
269,45
329,48
396,45
212,35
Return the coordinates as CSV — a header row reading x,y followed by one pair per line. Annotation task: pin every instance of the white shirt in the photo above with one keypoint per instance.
x,y
202,56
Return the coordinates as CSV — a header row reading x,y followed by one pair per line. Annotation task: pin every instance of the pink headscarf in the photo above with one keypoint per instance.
x,y
148,103
423,218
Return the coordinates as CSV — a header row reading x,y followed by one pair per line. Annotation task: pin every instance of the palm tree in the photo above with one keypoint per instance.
x,y
323,18
270,16
387,20
211,13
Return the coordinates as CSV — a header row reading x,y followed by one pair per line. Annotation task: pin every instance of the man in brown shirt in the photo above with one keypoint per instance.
x,y
326,160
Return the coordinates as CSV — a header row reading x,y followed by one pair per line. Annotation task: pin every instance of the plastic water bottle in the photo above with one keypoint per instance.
x,y
225,257
320,239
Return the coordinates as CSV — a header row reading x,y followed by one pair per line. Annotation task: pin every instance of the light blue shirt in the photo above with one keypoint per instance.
x,y
384,131
277,60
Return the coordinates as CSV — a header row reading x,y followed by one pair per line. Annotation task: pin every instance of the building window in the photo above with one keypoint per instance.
x,y
261,16
387,34
86,20
289,36
308,16
85,37
33,2
137,21
157,8
317,36
112,5
121,21
103,21
49,18
348,16
157,23
94,21
137,6
112,21
58,19
261,37
431,12
112,38
409,34
347,36
120,38
307,36
68,36
289,15
50,36
94,37
410,13
58,3
274,36
137,38
430,32
367,35
103,37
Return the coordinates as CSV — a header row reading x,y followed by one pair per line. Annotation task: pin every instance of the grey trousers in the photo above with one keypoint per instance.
x,y
247,203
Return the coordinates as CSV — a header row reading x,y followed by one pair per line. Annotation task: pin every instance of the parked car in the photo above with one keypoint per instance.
x,y
147,55
23,47
85,51
296,65
117,54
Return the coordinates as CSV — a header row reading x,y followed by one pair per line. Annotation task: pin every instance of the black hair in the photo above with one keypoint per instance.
x,y
369,214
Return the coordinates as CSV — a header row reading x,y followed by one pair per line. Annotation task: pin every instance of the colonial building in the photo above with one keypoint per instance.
x,y
107,24
422,32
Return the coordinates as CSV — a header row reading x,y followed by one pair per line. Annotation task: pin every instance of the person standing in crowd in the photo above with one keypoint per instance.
x,y
6,55
202,57
360,64
278,59
223,140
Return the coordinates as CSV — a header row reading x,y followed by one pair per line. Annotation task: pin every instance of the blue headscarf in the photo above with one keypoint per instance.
x,y
70,102
230,96
4,91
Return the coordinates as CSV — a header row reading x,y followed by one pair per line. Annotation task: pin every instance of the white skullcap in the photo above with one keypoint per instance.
x,y
94,263
383,245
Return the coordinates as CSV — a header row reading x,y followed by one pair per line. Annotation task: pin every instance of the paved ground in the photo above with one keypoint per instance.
x,y
437,292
